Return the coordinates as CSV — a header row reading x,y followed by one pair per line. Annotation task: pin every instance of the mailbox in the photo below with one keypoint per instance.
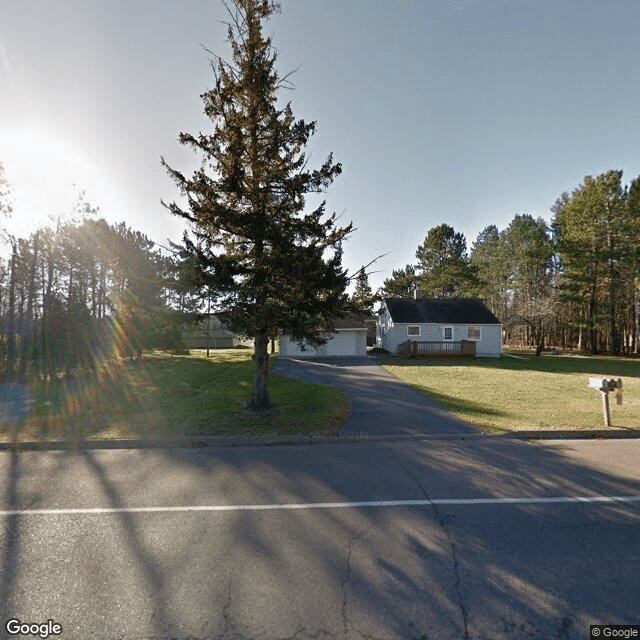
x,y
604,386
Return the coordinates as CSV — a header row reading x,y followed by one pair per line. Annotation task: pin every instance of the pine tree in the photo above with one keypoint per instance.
x,y
444,265
401,284
273,266
488,257
591,228
633,254
363,295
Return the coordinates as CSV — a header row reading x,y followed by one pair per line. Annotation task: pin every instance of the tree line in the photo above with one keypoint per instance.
x,y
84,292
573,283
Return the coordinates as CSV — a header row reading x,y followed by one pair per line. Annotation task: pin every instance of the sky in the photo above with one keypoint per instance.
x,y
465,112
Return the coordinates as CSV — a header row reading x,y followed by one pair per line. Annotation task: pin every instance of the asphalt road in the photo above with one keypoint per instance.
x,y
472,537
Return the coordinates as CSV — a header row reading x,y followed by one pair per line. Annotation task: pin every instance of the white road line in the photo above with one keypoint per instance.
x,y
326,505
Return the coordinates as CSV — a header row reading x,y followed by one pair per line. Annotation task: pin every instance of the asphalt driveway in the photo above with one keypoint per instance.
x,y
381,404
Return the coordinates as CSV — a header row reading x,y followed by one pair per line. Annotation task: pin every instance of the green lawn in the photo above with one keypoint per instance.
x,y
164,395
525,392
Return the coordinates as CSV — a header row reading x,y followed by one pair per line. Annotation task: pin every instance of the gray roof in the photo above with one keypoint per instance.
x,y
349,323
440,310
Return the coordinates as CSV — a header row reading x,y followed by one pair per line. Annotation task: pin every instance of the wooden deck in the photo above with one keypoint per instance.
x,y
444,349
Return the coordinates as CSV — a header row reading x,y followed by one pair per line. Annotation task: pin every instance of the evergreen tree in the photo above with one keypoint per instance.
x,y
273,266
443,264
528,251
592,229
363,295
633,255
401,284
488,258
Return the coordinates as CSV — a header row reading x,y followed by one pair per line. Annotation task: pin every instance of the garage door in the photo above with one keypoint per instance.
x,y
343,344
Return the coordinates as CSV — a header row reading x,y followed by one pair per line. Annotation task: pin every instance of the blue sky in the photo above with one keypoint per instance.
x,y
457,111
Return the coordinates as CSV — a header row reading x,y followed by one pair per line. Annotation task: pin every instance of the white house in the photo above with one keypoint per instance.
x,y
439,321
350,340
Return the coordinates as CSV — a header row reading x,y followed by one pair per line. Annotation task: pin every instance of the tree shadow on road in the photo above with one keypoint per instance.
x,y
402,570
10,536
431,570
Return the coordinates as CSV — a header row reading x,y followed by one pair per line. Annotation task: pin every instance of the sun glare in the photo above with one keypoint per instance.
x,y
46,175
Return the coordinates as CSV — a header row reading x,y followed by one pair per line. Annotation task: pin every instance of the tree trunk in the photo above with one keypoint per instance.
x,y
260,394
636,307
47,353
613,330
27,337
11,331
592,347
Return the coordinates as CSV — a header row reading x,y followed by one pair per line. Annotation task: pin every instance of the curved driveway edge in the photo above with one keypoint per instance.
x,y
382,405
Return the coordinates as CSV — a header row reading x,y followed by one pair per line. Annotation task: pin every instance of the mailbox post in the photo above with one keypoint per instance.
x,y
604,386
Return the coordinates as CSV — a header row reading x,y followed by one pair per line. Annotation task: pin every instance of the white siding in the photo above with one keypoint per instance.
x,y
346,342
491,343
389,334
489,346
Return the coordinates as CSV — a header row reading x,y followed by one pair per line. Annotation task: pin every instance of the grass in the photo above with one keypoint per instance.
x,y
176,396
526,392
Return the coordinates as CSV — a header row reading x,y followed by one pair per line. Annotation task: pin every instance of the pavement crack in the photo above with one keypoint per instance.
x,y
451,541
344,582
229,627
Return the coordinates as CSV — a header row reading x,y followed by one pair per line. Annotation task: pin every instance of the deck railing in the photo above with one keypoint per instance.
x,y
435,349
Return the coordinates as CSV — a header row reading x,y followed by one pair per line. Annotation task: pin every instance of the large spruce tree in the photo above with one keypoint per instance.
x,y
273,266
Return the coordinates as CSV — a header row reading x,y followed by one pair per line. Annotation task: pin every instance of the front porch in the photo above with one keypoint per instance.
x,y
437,349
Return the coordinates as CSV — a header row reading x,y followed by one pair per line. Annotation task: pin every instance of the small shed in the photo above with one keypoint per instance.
x,y
350,339
441,322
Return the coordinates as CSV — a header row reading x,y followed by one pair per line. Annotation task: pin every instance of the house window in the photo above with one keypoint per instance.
x,y
474,334
413,330
447,333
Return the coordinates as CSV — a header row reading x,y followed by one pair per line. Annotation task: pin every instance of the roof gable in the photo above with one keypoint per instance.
x,y
349,323
440,311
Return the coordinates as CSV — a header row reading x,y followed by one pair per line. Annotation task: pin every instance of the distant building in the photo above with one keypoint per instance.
x,y
219,337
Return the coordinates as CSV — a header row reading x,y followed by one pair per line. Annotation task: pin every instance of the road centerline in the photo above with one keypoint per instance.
x,y
328,505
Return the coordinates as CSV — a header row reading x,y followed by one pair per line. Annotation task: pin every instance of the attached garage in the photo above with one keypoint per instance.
x,y
350,340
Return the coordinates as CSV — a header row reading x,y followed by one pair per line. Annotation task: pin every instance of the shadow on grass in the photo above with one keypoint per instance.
x,y
468,408
167,396
599,365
